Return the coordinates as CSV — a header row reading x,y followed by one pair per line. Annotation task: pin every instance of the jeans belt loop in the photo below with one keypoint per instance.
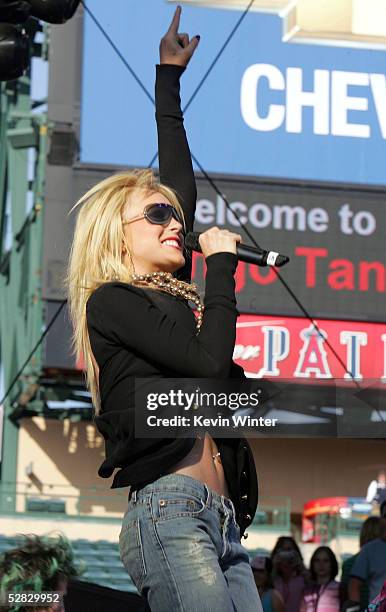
x,y
232,508
208,496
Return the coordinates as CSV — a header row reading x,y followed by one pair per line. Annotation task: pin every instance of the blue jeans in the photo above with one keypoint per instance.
x,y
180,544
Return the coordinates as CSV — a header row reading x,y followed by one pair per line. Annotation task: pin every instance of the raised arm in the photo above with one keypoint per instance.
x,y
175,162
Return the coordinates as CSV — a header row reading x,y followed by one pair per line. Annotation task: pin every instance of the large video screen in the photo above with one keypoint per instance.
x,y
333,237
268,107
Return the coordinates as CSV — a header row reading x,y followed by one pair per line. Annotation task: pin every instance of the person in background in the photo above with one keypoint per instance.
x,y
369,532
271,600
376,487
286,543
370,565
40,564
289,575
323,594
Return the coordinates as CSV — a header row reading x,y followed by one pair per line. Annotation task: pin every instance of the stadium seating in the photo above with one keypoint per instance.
x,y
101,562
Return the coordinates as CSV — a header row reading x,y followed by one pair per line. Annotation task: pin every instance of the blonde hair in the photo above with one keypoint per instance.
x,y
96,253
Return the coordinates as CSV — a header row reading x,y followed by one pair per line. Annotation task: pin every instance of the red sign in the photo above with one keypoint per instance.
x,y
291,348
330,505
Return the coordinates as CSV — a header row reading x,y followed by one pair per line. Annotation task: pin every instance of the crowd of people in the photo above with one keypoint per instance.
x,y
283,581
285,584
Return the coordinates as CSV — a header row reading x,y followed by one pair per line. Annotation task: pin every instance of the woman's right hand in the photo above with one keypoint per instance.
x,y
216,240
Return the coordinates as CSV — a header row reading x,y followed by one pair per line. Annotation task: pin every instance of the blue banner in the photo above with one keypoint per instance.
x,y
267,109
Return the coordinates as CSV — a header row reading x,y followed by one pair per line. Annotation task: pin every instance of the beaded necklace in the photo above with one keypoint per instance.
x,y
168,283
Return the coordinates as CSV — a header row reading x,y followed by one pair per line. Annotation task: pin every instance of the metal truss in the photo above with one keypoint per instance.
x,y
23,138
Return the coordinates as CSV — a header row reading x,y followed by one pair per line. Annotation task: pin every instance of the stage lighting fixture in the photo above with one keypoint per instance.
x,y
14,11
53,11
14,52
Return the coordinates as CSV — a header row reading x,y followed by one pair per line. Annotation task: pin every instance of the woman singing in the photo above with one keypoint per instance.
x,y
190,499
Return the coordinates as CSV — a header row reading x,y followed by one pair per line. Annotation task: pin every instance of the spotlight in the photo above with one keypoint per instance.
x,y
14,11
53,11
14,52
14,43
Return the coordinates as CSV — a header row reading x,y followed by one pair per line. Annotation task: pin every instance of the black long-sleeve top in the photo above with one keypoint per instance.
x,y
144,333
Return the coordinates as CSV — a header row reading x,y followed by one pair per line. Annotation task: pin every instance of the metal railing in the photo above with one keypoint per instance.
x,y
349,526
38,499
60,499
328,528
99,502
273,513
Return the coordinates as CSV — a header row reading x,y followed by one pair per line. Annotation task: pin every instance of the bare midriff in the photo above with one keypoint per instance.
x,y
203,463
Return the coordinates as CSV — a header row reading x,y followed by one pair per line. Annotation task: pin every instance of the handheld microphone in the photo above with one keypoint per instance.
x,y
244,253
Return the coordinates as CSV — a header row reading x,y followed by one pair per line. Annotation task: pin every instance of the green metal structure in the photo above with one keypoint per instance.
x,y
23,137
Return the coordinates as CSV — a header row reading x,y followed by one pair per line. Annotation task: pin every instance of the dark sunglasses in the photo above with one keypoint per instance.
x,y
158,214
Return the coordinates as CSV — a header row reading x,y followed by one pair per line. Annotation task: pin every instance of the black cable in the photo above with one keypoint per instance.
x,y
212,183
117,51
209,70
208,178
40,340
139,82
219,54
281,279
146,92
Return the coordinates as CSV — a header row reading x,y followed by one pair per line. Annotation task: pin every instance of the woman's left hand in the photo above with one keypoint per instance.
x,y
175,48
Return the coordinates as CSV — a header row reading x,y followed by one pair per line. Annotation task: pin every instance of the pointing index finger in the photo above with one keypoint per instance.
x,y
175,24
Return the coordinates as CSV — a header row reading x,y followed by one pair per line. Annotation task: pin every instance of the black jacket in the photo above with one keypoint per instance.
x,y
132,329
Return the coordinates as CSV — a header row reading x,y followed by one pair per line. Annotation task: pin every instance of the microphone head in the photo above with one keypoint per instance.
x,y
191,241
281,260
